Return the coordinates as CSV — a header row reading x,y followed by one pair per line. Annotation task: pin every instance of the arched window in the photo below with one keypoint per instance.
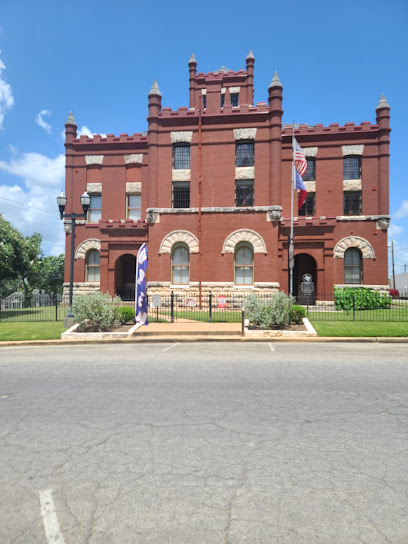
x,y
180,265
244,264
353,266
92,266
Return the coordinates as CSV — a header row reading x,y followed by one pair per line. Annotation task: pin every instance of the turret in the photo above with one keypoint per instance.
x,y
383,122
192,69
70,128
275,135
250,61
155,98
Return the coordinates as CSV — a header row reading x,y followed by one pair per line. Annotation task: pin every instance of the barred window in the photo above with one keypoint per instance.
x,y
244,153
353,266
181,156
92,265
311,170
309,205
234,99
244,265
180,265
352,202
133,207
95,209
244,192
352,167
222,100
181,194
204,101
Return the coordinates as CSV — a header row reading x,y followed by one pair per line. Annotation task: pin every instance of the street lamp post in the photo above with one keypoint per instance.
x,y
61,201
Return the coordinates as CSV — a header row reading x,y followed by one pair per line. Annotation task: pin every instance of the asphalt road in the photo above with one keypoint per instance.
x,y
204,443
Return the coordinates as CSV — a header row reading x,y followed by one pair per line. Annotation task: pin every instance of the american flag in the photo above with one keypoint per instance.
x,y
300,159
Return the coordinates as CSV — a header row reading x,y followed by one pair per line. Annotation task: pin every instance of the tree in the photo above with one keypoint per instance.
x,y
52,275
20,258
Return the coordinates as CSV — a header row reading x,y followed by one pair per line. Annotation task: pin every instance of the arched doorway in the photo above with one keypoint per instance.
x,y
304,264
125,275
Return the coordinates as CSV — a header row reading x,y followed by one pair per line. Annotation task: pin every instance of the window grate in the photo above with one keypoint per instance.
x,y
181,156
181,194
352,168
352,202
311,170
244,154
309,205
234,99
244,192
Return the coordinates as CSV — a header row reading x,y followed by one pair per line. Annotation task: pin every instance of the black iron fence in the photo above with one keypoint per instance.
x,y
217,308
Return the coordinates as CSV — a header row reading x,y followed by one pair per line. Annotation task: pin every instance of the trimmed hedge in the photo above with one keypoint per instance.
x,y
359,298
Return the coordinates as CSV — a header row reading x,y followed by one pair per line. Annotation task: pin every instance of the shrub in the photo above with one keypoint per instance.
x,y
271,313
360,299
297,313
125,314
96,312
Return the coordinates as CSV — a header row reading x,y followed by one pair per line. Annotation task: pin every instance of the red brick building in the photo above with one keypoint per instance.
x,y
208,188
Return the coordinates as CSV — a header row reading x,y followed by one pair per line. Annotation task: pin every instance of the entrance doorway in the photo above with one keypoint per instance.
x,y
125,276
304,264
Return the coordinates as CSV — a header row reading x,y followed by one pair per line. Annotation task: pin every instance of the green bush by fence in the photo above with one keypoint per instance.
x,y
361,298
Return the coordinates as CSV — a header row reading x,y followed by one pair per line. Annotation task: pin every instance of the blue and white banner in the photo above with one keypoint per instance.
x,y
141,295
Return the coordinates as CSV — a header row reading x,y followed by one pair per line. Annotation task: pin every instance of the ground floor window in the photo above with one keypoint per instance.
x,y
180,265
244,265
353,266
92,266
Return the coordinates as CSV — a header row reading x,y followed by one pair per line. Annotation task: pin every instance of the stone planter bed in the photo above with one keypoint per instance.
x,y
294,331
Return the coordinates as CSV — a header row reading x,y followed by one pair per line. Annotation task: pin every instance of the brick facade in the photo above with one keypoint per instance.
x,y
213,227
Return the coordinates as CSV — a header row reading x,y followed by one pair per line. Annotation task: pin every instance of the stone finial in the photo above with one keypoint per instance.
x,y
154,91
192,60
250,56
382,103
275,81
71,120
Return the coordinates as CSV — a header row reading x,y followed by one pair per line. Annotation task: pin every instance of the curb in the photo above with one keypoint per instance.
x,y
220,338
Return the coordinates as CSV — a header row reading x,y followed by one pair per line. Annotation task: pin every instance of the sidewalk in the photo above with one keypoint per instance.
x,y
190,332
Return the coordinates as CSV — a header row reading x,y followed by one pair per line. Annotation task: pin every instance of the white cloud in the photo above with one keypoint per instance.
x,y
394,230
41,123
33,207
402,210
83,131
6,95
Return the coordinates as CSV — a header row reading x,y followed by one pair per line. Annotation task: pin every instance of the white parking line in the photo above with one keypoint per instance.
x,y
50,520
271,347
172,346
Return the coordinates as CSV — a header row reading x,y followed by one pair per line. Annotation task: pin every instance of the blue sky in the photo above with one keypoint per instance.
x,y
99,60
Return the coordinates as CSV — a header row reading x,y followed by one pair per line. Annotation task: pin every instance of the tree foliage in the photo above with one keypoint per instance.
x,y
52,275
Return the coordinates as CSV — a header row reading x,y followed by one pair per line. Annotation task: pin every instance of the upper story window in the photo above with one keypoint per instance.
x,y
95,209
244,153
181,156
352,202
353,266
133,206
180,265
204,101
311,170
244,192
244,265
222,100
181,194
234,99
352,167
92,265
309,205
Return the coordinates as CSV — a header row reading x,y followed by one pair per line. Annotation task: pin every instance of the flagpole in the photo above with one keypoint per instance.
x,y
291,249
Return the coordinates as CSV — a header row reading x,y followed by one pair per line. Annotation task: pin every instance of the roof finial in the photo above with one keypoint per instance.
x,y
192,59
71,120
250,55
382,103
275,81
154,91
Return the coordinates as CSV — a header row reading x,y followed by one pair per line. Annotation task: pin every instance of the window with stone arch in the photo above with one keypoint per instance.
x,y
92,266
244,264
353,266
180,264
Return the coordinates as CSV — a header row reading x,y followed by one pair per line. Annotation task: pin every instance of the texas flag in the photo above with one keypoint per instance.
x,y
302,190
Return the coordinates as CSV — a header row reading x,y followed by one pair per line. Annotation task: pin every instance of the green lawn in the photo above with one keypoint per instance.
x,y
202,315
360,328
31,331
397,314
